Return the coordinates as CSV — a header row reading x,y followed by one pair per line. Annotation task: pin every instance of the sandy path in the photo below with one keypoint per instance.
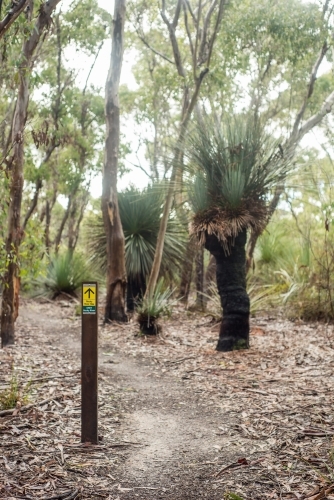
x,y
176,431
173,412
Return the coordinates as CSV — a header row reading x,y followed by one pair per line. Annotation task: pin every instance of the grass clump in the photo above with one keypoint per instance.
x,y
152,307
14,395
262,298
140,213
232,496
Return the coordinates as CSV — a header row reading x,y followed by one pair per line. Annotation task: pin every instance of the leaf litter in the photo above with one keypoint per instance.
x,y
275,403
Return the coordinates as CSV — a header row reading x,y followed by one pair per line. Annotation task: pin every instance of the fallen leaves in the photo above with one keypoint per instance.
x,y
275,400
320,493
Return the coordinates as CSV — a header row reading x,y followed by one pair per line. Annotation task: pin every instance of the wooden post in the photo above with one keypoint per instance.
x,y
89,355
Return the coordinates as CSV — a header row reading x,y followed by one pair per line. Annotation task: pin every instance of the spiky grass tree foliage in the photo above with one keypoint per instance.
x,y
236,166
64,274
152,307
140,213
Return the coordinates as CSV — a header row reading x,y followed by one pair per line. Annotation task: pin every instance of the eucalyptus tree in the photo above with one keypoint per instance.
x,y
116,271
189,50
9,309
74,117
236,166
266,58
41,64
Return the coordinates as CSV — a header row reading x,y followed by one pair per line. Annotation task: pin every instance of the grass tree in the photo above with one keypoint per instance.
x,y
140,213
237,166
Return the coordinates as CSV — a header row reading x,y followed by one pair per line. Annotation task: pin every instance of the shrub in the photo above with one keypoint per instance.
x,y
140,213
152,307
10,397
64,275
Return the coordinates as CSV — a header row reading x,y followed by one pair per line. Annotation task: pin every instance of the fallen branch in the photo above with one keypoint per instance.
x,y
242,462
322,494
44,379
67,495
317,432
179,360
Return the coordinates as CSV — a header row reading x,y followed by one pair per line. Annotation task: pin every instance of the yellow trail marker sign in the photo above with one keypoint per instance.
x,y
89,364
89,298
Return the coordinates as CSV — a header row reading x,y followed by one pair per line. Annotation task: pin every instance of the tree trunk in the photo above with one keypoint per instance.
x,y
210,277
187,271
71,226
33,205
46,213
231,282
13,13
200,279
116,272
10,295
63,222
47,227
78,223
14,235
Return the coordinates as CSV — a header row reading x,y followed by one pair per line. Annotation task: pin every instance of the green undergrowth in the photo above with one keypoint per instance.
x,y
152,307
64,274
232,496
294,273
15,394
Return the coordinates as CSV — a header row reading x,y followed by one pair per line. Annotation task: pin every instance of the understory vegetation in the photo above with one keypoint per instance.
x,y
177,157
214,123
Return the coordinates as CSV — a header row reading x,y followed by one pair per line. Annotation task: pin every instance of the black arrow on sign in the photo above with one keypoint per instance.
x,y
89,291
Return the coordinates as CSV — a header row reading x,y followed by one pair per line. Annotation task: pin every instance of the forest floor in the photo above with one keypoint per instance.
x,y
177,420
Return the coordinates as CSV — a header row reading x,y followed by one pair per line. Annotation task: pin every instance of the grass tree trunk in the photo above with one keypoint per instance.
x,y
136,288
11,288
116,272
231,282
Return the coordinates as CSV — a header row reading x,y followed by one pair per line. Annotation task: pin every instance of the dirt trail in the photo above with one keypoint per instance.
x,y
174,432
177,420
177,432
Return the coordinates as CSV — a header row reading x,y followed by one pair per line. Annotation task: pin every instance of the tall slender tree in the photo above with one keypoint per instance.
x,y
201,27
116,271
